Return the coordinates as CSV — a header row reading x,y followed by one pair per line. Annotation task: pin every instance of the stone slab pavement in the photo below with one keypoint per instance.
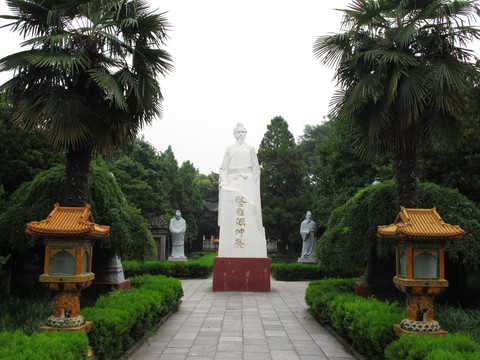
x,y
242,325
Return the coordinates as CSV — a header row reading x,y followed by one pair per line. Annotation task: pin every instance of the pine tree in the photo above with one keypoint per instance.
x,y
283,184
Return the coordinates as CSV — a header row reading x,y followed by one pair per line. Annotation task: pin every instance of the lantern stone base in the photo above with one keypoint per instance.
x,y
85,327
241,274
400,332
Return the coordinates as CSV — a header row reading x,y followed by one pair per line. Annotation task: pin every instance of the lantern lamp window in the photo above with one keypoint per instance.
x,y
425,265
62,263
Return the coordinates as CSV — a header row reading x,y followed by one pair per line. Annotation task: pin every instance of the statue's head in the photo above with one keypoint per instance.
x,y
178,214
240,132
308,216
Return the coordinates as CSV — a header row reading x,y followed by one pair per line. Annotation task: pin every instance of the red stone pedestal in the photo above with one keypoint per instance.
x,y
241,274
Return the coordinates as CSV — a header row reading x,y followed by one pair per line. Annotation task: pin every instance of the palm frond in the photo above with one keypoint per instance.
x,y
108,83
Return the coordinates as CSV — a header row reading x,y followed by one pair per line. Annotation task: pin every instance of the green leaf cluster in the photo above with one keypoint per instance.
x,y
34,200
52,345
366,323
298,272
146,177
352,228
200,268
122,317
420,347
284,185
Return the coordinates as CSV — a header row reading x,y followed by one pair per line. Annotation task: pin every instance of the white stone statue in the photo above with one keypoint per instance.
x,y
177,228
307,231
240,213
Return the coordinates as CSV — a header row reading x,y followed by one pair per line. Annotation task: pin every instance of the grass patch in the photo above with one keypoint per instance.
x,y
24,314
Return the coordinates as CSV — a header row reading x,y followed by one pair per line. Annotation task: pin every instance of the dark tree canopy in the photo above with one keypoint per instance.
x,y
284,184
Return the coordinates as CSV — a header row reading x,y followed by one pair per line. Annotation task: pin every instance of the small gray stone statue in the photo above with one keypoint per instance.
x,y
307,231
177,228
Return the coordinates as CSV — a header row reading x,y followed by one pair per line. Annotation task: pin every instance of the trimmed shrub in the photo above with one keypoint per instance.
x,y
122,317
53,345
421,347
366,323
297,272
201,268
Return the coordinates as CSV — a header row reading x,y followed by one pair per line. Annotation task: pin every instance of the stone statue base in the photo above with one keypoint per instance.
x,y
177,259
306,260
241,274
109,274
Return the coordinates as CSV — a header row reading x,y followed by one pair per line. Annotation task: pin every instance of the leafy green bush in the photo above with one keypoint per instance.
x,y
129,236
122,317
296,272
352,228
54,345
420,347
366,323
200,268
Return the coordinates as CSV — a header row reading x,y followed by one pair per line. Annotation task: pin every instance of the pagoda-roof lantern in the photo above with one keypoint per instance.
x,y
67,223
420,224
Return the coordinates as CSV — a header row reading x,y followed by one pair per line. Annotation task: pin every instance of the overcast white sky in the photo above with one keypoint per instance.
x,y
235,61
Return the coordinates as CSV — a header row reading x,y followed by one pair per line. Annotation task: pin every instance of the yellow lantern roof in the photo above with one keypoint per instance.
x,y
68,222
420,224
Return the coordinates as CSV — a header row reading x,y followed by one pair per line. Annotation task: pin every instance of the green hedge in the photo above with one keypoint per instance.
x,y
122,317
368,325
55,345
201,268
297,272
451,347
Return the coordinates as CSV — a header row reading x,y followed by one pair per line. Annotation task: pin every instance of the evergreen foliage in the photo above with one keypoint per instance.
x,y
207,220
146,177
352,228
52,345
186,197
23,153
34,200
420,347
336,171
284,184
122,317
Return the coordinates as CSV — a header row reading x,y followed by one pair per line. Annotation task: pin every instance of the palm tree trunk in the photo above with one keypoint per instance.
x,y
77,174
406,174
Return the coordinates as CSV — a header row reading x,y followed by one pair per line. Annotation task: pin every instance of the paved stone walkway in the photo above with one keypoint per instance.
x,y
237,325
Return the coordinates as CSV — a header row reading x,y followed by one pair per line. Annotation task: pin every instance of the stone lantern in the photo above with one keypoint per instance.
x,y
420,236
69,234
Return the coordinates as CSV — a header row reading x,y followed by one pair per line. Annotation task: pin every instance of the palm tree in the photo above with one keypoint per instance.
x,y
401,67
88,77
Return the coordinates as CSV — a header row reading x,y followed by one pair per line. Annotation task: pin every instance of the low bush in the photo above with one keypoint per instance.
x,y
297,272
366,323
54,345
201,268
420,347
122,317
